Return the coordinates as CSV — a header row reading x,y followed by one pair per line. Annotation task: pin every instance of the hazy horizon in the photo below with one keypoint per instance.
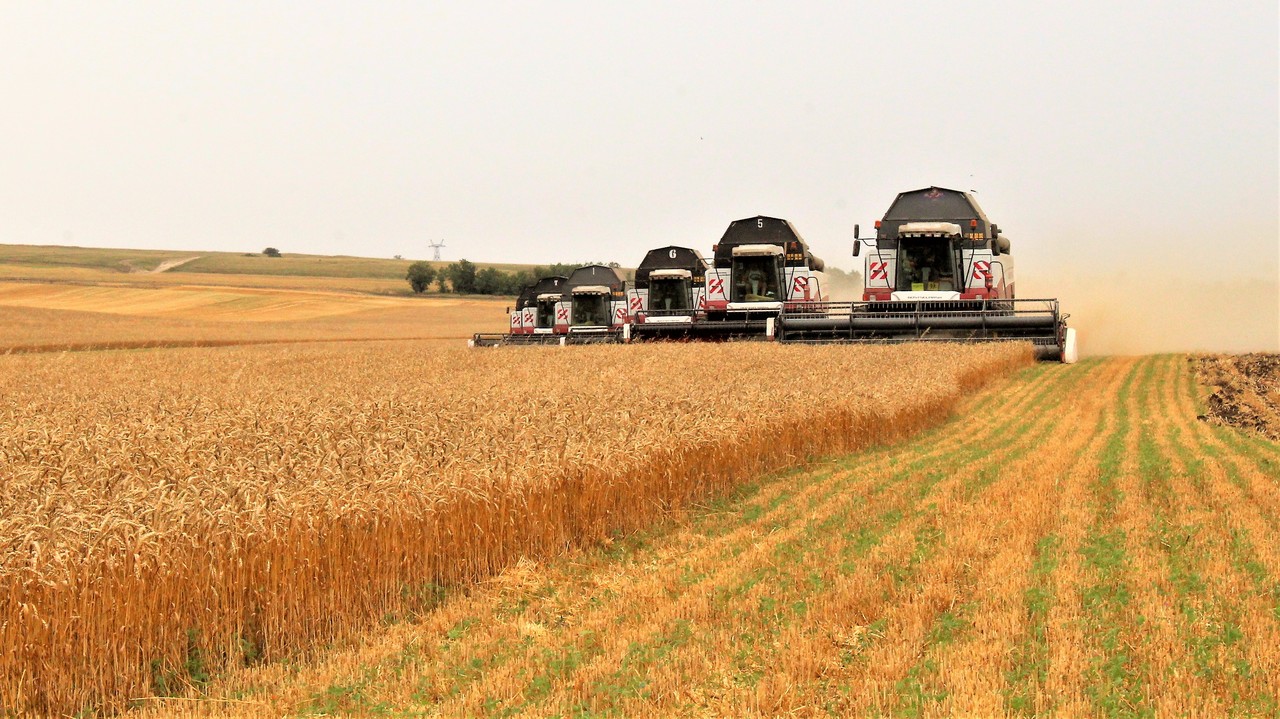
x,y
1102,138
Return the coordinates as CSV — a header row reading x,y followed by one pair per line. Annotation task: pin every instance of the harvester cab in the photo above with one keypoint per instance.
x,y
937,244
594,306
545,312
761,267
535,307
670,291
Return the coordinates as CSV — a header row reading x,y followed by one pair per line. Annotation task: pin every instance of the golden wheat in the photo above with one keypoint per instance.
x,y
240,503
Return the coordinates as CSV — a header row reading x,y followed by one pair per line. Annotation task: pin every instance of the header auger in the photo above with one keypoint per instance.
x,y
936,270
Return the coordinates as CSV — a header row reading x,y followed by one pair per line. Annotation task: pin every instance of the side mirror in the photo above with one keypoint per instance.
x,y
995,230
855,233
995,247
857,247
508,310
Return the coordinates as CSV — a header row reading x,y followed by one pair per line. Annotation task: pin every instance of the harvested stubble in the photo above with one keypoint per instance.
x,y
246,503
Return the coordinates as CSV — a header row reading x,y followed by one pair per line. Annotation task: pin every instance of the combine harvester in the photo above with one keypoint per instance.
x,y
760,268
937,270
587,307
533,321
594,307
534,318
669,297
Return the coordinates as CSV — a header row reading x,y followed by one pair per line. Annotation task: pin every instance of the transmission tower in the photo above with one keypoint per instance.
x,y
436,246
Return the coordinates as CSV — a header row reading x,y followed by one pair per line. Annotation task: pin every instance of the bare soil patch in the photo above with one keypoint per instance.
x,y
1244,391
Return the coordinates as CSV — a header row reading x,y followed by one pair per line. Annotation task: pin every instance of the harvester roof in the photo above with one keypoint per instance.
x,y
595,275
669,258
937,205
546,285
761,230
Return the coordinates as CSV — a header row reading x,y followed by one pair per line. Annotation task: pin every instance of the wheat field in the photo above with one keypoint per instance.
x,y
42,317
173,513
1074,543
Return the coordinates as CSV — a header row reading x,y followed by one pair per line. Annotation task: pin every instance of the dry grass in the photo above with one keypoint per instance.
x,y
171,513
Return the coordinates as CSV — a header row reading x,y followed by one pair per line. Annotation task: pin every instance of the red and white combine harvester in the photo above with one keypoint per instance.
x,y
937,270
762,268
669,295
594,306
589,306
534,318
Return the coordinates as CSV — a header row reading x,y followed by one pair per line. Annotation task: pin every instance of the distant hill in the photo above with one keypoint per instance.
x,y
221,263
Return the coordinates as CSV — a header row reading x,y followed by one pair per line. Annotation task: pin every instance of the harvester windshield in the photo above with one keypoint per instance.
x,y
546,316
926,264
757,273
670,289
590,309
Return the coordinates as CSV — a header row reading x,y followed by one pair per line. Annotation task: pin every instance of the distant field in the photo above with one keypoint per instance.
x,y
47,316
15,258
100,276
198,303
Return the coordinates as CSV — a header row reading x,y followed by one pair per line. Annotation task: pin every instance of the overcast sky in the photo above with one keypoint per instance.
x,y
1102,136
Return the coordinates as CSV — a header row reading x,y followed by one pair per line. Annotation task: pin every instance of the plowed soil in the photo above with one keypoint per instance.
x,y
1245,391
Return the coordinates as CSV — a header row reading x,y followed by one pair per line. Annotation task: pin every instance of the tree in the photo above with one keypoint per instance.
x,y
517,281
462,277
271,252
491,281
421,275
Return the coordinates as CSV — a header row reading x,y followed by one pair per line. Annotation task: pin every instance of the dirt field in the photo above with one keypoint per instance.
x,y
1074,543
1244,391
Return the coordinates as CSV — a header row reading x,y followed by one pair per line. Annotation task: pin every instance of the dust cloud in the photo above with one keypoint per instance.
x,y
843,286
1131,313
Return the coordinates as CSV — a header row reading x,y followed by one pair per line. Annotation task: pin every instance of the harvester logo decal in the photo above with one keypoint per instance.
x,y
982,270
620,316
716,286
800,286
702,302
880,270
562,314
636,303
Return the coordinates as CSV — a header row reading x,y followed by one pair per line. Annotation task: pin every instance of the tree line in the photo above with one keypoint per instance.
x,y
464,278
